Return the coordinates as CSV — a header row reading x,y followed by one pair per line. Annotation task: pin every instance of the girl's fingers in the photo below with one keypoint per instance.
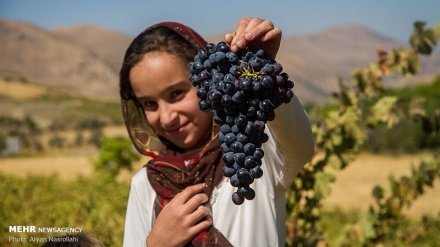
x,y
194,202
254,31
273,34
242,25
257,28
201,225
188,193
229,37
197,215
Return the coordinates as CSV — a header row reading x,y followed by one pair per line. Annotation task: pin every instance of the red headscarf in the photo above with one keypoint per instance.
x,y
170,170
141,133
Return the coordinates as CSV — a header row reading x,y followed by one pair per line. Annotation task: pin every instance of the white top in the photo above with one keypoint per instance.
x,y
257,222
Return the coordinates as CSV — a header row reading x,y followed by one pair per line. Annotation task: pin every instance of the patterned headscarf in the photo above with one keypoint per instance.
x,y
141,133
171,169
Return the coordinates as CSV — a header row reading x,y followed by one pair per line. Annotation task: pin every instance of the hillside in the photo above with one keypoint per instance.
x,y
86,59
52,108
317,59
31,54
107,44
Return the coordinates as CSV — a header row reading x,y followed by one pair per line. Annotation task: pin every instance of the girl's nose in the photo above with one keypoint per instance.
x,y
168,115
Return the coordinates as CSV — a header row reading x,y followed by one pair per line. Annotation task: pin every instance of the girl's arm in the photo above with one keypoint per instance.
x,y
136,224
289,148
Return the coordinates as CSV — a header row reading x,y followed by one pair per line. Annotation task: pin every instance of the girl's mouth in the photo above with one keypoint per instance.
x,y
177,130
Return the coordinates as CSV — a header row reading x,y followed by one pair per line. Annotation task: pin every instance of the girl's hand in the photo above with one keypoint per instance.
x,y
181,219
255,33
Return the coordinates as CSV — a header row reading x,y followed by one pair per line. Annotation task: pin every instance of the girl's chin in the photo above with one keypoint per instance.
x,y
190,144
181,141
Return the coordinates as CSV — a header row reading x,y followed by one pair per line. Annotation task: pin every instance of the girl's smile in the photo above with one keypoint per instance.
x,y
161,84
177,130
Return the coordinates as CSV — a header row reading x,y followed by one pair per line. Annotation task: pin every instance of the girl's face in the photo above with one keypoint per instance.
x,y
161,84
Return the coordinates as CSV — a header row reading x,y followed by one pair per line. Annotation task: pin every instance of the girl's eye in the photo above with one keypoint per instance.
x,y
176,94
149,105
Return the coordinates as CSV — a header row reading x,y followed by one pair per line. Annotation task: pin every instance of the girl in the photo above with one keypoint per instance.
x,y
180,198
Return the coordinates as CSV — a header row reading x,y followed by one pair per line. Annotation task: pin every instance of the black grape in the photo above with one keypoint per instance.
x,y
242,91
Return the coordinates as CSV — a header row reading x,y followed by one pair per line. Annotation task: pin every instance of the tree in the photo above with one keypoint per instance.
x,y
2,142
116,153
340,130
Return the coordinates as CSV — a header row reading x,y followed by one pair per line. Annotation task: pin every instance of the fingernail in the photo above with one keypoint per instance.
x,y
249,35
239,43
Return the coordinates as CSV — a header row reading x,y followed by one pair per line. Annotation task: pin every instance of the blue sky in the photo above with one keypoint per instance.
x,y
393,18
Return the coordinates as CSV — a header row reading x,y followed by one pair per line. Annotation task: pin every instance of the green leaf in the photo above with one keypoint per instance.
x,y
423,40
378,192
367,224
383,112
322,184
116,153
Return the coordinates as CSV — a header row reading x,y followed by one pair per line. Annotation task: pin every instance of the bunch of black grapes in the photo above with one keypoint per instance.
x,y
241,90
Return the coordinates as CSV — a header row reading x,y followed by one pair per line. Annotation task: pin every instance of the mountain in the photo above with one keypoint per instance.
x,y
87,59
29,53
315,60
107,44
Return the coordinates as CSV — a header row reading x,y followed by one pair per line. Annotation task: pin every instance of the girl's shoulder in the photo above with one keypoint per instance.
x,y
140,178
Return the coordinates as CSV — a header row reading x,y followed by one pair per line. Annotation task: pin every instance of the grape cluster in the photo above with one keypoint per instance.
x,y
241,90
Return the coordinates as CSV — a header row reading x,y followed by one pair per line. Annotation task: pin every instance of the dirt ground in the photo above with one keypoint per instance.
x,y
352,188
354,185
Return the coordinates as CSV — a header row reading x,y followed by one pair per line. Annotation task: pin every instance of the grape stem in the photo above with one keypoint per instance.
x,y
249,72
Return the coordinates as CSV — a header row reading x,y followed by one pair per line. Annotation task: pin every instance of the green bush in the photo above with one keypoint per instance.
x,y
116,154
342,228
342,128
57,141
98,204
90,123
94,203
409,135
2,142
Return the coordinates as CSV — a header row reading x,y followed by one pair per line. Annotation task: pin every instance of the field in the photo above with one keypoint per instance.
x,y
352,189
97,200
353,186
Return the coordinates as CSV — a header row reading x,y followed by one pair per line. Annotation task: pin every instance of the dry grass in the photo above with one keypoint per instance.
x,y
21,91
352,188
354,185
67,165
